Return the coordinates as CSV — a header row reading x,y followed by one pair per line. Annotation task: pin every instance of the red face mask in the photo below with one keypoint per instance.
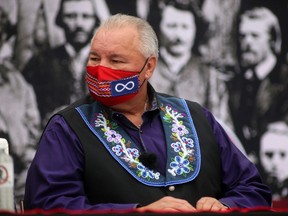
x,y
111,87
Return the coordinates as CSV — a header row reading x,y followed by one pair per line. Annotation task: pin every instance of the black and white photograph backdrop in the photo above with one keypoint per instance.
x,y
228,55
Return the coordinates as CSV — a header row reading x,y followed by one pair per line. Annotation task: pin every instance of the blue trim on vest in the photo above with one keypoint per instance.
x,y
183,149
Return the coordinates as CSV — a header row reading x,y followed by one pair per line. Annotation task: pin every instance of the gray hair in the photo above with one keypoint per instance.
x,y
148,39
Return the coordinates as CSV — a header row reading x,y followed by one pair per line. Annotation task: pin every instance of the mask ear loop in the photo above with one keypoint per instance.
x,y
144,65
142,71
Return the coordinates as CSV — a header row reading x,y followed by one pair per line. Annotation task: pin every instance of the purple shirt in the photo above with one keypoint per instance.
x,y
55,177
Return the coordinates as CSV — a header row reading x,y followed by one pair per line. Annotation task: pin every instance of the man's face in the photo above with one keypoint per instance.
x,y
274,155
119,49
177,31
254,40
79,21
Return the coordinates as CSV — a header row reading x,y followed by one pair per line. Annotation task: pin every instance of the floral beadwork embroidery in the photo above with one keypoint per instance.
x,y
122,148
183,149
183,145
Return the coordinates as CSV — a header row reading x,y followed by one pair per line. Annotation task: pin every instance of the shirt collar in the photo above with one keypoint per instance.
x,y
264,68
152,101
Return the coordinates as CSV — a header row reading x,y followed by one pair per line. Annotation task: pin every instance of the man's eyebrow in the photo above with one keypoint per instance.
x,y
114,55
93,53
110,55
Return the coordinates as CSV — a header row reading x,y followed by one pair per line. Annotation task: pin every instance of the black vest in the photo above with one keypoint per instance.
x,y
106,181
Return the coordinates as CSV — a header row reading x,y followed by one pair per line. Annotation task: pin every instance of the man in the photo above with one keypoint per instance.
x,y
181,71
19,116
274,158
257,79
126,137
177,33
57,74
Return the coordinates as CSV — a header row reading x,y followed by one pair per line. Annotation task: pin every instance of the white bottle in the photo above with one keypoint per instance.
x,y
6,178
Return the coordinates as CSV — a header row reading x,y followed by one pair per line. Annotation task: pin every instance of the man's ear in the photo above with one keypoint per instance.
x,y
151,65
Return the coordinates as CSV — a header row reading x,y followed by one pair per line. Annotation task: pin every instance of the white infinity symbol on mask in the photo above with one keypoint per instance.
x,y
129,86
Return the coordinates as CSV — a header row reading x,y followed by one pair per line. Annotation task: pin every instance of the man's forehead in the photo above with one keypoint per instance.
x,y
171,14
255,25
274,142
78,6
111,48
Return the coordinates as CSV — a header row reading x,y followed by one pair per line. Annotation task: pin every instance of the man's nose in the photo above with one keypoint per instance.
x,y
248,40
104,63
79,20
